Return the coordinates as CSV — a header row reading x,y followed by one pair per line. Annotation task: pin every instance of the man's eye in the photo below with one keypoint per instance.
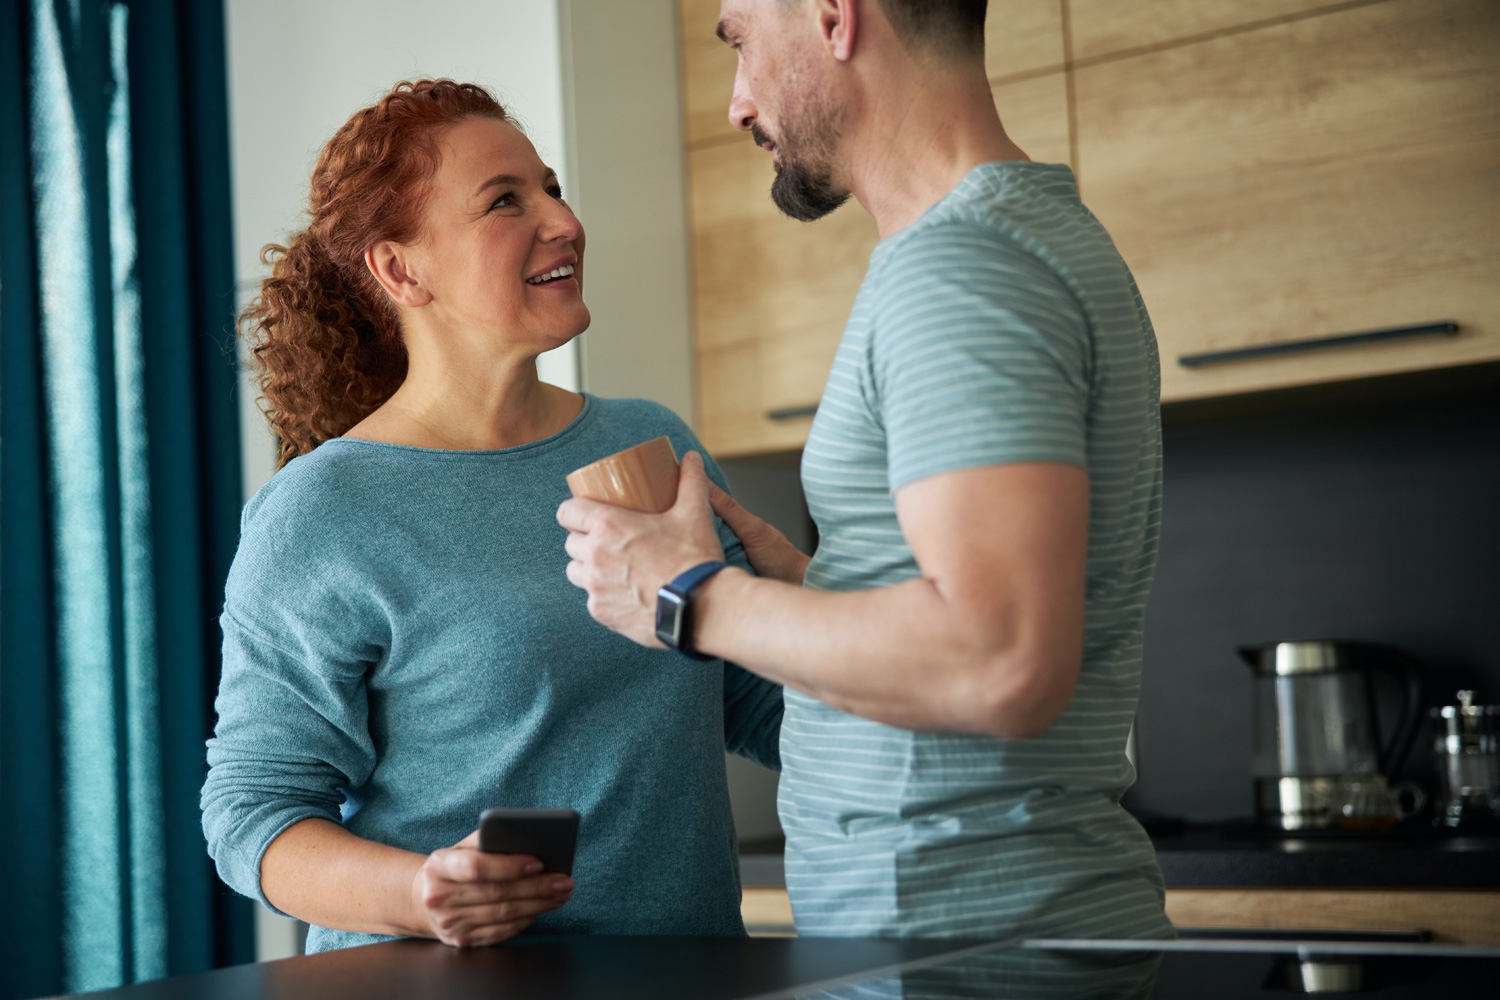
x,y
555,191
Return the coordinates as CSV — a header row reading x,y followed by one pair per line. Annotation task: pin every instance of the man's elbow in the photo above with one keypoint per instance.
x,y
1020,696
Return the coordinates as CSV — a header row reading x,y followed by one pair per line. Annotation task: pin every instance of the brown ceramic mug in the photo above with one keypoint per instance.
x,y
642,478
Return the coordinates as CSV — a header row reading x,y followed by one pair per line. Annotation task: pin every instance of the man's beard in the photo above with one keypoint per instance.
x,y
803,188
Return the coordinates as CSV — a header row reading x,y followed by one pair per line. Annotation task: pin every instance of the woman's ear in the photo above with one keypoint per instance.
x,y
389,264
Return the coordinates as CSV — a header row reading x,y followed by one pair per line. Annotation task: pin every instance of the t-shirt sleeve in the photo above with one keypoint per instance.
x,y
980,355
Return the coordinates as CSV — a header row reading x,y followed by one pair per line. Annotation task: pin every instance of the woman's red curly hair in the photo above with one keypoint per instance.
x,y
325,340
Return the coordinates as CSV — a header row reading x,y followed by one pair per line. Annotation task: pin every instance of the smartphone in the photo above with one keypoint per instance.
x,y
549,835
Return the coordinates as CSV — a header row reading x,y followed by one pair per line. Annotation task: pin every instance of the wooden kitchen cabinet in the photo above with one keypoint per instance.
x,y
1105,27
1318,176
1458,916
770,295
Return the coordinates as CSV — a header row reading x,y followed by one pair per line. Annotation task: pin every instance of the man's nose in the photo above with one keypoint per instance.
x,y
742,111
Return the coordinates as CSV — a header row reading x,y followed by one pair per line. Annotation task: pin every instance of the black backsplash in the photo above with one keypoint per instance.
x,y
1366,511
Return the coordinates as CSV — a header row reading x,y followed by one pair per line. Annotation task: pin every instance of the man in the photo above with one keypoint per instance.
x,y
962,655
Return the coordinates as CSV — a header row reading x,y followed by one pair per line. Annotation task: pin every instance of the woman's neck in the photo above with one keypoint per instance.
x,y
444,406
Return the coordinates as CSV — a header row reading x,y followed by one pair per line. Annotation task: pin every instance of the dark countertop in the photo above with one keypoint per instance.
x,y
1242,855
583,967
1238,854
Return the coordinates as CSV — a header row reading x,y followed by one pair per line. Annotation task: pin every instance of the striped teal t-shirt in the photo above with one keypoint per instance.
x,y
1001,326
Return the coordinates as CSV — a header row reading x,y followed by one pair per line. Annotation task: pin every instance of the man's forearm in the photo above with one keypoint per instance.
x,y
321,873
900,655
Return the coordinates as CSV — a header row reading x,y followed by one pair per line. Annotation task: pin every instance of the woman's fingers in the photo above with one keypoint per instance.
x,y
493,934
467,864
544,887
479,925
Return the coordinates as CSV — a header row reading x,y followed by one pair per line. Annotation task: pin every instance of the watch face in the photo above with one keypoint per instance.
x,y
670,615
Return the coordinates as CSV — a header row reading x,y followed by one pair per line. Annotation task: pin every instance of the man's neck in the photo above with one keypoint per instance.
x,y
919,140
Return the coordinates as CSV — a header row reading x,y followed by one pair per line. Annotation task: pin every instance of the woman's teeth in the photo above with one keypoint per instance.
x,y
556,272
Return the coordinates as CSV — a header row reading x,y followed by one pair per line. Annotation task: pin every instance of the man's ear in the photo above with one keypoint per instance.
x,y
389,264
837,21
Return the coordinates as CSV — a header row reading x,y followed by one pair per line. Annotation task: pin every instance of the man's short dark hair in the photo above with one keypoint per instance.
x,y
950,28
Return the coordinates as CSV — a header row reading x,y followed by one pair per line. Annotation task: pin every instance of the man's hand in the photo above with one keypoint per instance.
x,y
768,550
622,557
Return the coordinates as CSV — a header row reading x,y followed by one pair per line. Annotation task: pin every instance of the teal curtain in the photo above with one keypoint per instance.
x,y
119,488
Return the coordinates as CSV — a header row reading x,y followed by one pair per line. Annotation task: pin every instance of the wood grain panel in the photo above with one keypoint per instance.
x,y
707,67
1022,36
767,913
1035,115
1452,915
1329,175
772,295
1101,27
1455,916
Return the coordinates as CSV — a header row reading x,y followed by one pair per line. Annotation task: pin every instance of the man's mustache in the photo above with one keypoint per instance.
x,y
759,135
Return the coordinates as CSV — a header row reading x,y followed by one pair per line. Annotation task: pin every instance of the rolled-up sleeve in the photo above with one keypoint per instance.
x,y
292,735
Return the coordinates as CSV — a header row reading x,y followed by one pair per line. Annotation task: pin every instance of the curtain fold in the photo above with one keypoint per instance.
x,y
119,487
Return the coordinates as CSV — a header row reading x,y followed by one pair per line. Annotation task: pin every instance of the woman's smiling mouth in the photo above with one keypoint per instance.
x,y
557,272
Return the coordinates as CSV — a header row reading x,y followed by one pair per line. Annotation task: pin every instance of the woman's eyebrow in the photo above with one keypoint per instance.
x,y
499,179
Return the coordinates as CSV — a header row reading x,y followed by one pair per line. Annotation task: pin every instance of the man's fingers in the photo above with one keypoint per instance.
x,y
579,514
472,840
693,482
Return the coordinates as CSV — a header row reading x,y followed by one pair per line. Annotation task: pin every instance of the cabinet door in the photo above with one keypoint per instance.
x,y
1332,174
1104,27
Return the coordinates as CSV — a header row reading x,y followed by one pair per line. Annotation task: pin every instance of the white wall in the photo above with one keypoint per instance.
x,y
625,142
299,68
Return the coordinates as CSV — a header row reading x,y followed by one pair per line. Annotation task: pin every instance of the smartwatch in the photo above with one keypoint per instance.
x,y
674,608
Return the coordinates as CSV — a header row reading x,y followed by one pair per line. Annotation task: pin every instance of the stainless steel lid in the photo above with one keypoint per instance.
x,y
1287,659
1467,722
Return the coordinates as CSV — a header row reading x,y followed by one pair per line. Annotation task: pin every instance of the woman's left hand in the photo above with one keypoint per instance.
x,y
622,557
466,897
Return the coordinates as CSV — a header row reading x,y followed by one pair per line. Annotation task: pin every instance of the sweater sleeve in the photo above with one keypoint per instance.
x,y
292,740
752,704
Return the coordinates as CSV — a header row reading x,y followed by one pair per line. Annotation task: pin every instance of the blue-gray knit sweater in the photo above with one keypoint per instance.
x,y
402,650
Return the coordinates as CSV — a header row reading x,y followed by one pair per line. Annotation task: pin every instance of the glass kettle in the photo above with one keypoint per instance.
x,y
1316,727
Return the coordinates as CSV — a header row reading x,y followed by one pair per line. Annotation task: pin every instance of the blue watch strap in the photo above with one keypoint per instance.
x,y
688,581
675,604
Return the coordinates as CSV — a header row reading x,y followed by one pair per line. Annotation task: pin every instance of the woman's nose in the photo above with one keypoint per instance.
x,y
560,224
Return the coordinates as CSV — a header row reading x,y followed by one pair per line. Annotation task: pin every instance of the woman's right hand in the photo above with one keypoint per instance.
x,y
467,897
768,550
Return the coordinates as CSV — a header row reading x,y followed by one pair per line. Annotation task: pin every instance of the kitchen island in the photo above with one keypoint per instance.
x,y
684,968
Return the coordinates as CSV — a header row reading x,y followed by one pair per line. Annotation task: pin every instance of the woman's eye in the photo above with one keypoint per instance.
x,y
555,191
504,201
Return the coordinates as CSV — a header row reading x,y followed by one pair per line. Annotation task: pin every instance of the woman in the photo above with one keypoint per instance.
x,y
401,647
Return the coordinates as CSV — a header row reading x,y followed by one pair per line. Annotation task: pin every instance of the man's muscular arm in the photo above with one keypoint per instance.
x,y
988,639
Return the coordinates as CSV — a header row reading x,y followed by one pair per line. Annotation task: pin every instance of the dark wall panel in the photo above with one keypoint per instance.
x,y
1347,513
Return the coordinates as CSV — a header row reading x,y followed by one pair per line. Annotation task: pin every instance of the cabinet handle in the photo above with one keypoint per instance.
x,y
792,412
1446,326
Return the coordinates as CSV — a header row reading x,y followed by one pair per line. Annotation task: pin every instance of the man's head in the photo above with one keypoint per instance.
x,y
793,91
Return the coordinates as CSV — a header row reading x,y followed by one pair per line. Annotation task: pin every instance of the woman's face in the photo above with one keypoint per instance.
x,y
496,227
